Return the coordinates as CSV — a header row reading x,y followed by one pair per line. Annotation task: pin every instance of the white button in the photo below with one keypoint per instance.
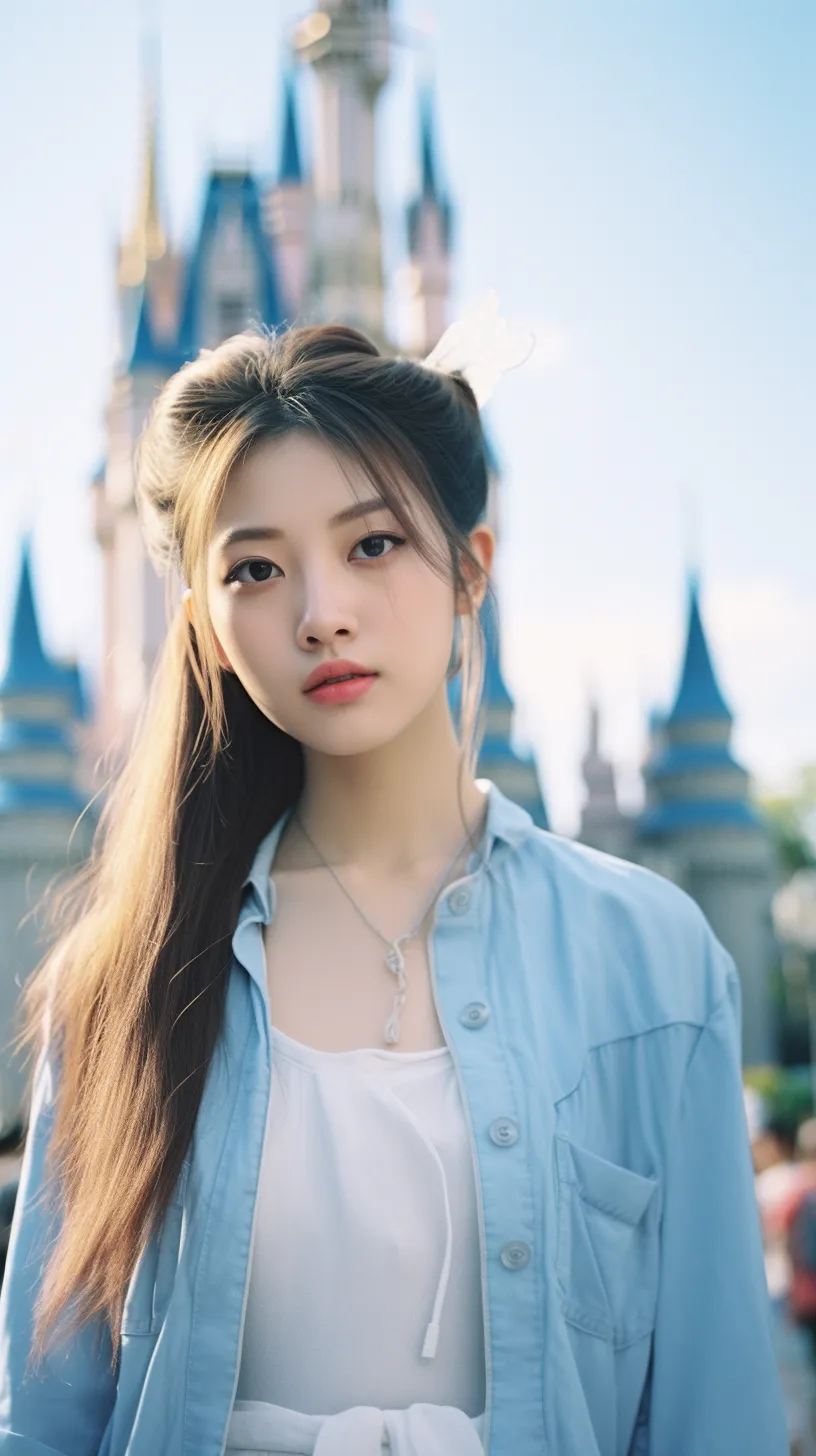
x,y
515,1255
504,1132
474,1015
459,901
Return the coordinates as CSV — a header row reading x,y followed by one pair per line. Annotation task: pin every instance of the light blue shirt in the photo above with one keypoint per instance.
x,y
593,1019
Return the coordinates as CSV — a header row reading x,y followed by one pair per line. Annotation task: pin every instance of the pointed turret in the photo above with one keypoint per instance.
x,y
39,699
290,169
146,240
691,776
700,827
427,149
148,269
603,825
698,695
495,694
514,772
429,218
28,668
286,205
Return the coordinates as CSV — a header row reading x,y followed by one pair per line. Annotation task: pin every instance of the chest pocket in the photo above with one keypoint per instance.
x,y
607,1259
153,1277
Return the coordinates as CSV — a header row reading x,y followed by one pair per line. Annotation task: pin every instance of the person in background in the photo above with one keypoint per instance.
x,y
780,1178
797,1215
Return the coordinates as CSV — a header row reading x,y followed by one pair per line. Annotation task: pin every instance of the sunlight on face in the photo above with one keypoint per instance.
x,y
323,588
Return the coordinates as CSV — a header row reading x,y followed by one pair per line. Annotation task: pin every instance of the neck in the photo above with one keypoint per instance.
x,y
396,806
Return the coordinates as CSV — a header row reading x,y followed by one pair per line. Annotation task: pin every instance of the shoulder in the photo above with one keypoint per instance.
x,y
642,948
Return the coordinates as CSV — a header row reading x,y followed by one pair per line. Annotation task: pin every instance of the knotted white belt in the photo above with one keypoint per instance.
x,y
258,1428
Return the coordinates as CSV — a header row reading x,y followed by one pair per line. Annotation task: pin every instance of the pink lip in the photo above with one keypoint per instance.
x,y
338,667
342,692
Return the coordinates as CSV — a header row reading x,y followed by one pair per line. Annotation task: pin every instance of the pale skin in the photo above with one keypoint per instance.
x,y
380,795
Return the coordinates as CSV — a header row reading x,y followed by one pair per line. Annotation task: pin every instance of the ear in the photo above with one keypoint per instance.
x,y
187,598
482,542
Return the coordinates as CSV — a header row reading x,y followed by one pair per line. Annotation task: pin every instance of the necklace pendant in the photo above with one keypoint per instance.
x,y
395,961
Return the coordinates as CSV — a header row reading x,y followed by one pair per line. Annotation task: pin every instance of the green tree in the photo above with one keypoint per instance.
x,y
792,818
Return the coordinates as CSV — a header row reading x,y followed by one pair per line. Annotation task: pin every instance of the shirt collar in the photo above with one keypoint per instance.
x,y
506,822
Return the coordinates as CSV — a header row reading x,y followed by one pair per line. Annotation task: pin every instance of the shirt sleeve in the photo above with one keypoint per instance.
x,y
714,1383
63,1407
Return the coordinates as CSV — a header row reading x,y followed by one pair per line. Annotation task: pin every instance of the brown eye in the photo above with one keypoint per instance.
x,y
377,545
254,563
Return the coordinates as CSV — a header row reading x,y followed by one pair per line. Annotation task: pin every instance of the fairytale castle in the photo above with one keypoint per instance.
x,y
306,246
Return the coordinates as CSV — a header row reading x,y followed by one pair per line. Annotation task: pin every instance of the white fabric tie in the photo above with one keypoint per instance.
x,y
260,1429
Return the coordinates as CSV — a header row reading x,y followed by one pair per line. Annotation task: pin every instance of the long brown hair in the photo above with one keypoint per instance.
x,y
132,990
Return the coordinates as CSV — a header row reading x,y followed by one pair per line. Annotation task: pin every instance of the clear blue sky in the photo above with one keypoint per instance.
x,y
636,180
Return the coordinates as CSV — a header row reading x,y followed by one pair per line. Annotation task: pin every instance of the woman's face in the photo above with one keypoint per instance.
x,y
323,580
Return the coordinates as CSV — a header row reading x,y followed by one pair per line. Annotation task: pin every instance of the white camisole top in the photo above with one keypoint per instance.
x,y
365,1282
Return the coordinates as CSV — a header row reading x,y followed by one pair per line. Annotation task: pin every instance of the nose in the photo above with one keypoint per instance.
x,y
327,613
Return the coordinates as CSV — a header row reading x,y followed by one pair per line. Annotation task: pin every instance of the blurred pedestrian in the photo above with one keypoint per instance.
x,y
780,1177
797,1212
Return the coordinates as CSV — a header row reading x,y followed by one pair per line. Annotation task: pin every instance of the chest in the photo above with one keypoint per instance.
x,y
328,982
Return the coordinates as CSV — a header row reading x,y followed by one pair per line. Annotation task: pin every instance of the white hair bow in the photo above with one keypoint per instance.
x,y
482,345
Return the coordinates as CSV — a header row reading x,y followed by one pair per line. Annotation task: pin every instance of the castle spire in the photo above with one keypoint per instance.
x,y
693,782
146,240
698,695
27,665
603,824
430,196
512,769
426,143
429,217
290,169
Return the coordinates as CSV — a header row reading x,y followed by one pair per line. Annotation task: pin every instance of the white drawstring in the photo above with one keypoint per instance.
x,y
432,1333
431,1340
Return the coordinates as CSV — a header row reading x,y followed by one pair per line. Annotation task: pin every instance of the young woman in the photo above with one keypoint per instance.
x,y
365,1113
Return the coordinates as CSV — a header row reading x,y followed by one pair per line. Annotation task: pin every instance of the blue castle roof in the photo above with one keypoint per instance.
x,y
493,462
28,667
496,749
684,758
495,688
669,818
290,169
226,191
426,143
150,353
429,189
699,694
30,672
16,795
687,776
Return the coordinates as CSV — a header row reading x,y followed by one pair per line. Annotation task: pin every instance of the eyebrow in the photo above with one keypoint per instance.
x,y
273,533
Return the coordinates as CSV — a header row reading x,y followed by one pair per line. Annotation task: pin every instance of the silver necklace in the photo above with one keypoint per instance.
x,y
395,961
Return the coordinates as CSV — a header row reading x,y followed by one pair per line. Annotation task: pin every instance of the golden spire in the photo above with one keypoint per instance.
x,y
146,240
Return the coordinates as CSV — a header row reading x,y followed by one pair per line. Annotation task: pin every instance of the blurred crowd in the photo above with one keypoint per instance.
x,y
784,1155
